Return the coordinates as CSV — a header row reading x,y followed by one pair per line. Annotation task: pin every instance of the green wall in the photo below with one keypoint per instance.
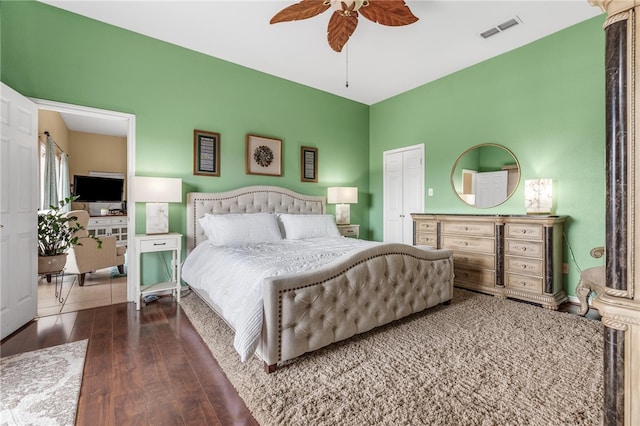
x,y
543,101
52,54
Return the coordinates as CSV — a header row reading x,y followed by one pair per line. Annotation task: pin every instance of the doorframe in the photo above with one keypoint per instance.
x,y
131,152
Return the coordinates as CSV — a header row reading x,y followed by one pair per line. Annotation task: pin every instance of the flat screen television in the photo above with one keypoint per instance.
x,y
90,189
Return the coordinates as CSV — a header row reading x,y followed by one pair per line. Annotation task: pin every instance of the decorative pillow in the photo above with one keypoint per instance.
x,y
241,229
299,226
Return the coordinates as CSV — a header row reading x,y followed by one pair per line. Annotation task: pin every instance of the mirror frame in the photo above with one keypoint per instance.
x,y
495,145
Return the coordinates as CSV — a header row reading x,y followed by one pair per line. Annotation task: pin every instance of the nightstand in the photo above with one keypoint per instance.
x,y
146,243
349,230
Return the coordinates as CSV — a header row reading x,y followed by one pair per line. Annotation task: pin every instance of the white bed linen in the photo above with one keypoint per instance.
x,y
232,277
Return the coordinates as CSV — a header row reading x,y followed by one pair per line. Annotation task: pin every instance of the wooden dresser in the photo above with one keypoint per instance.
x,y
508,256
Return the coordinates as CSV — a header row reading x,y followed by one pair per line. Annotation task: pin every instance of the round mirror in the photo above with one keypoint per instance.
x,y
485,175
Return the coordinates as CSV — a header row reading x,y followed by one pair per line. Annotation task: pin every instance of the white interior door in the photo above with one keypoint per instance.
x,y
412,190
392,213
403,176
18,210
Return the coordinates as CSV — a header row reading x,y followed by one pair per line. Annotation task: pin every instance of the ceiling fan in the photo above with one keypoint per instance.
x,y
344,20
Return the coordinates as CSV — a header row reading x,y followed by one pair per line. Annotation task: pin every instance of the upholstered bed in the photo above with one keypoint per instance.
x,y
370,285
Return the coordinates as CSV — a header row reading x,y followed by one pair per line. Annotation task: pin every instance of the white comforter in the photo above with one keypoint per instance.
x,y
232,277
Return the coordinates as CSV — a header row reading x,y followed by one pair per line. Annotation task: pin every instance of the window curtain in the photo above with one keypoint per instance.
x,y
50,179
63,189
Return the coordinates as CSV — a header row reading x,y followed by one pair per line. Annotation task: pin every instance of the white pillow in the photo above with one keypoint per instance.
x,y
241,229
299,226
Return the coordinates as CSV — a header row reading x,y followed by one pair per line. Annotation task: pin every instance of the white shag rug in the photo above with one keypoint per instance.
x,y
479,361
42,387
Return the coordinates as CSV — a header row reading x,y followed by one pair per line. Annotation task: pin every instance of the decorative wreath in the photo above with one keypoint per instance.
x,y
263,156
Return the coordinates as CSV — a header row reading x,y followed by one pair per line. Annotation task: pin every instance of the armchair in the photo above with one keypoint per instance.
x,y
591,279
88,257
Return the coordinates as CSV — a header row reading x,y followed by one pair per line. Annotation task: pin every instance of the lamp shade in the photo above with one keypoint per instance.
x,y
157,189
342,195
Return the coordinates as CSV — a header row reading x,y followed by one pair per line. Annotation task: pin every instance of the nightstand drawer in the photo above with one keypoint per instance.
x,y
352,231
159,244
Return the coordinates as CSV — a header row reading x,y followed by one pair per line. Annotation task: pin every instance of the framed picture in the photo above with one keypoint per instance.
x,y
206,153
263,156
308,164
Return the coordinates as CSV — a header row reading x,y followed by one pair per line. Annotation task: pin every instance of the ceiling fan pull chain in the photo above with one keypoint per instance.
x,y
347,66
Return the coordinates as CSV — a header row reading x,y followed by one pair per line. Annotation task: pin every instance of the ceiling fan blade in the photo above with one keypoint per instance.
x,y
393,13
340,29
303,10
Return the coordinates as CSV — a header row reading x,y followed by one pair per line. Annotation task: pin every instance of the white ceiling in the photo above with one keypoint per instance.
x,y
382,61
97,125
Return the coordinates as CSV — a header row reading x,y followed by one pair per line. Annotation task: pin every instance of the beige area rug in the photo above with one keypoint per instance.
x,y
42,387
478,361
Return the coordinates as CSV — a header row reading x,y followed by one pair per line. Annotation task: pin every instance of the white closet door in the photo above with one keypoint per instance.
x,y
403,192
18,210
393,193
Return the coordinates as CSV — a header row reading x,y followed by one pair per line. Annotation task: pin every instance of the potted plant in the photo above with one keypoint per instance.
x,y
56,235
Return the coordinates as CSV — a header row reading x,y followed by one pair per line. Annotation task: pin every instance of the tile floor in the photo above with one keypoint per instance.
x,y
99,289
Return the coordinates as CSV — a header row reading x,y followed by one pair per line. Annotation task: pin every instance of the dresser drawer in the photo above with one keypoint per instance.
x,y
426,226
477,277
525,283
484,245
524,231
158,244
426,239
524,248
474,260
523,265
469,228
118,221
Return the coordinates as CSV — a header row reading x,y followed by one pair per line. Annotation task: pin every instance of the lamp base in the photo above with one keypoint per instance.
x,y
157,218
343,214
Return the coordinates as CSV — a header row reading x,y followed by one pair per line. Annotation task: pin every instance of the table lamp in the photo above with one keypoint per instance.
x,y
342,197
157,192
538,196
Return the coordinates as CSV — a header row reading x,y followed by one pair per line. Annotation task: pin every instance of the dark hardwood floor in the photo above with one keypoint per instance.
x,y
145,367
142,367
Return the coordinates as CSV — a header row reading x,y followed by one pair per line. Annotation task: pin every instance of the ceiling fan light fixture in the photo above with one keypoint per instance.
x,y
346,5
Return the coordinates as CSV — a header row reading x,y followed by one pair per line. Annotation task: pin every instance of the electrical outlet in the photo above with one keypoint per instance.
x,y
565,268
430,192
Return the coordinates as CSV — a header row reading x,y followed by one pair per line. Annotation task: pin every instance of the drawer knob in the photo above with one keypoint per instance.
x,y
159,244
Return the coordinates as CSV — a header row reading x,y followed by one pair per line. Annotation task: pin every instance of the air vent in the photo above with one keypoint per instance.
x,y
502,27
489,33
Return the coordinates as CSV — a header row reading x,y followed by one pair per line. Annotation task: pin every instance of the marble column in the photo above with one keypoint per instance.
x,y
619,301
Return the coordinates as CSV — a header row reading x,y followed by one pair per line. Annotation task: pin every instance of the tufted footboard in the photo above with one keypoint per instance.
x,y
352,295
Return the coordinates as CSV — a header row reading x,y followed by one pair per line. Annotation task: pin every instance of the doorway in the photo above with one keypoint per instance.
x,y
105,286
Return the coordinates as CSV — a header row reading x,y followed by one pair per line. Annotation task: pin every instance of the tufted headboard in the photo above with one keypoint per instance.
x,y
250,199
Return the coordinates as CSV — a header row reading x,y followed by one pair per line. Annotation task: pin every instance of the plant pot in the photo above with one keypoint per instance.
x,y
50,264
